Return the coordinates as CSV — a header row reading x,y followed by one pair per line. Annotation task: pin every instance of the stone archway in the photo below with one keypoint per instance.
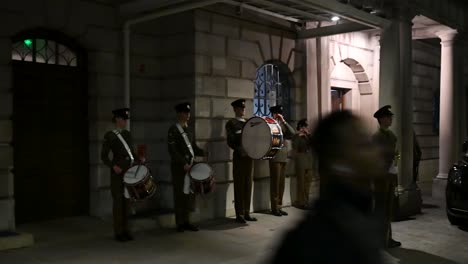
x,y
360,74
349,75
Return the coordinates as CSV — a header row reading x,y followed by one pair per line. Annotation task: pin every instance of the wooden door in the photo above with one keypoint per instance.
x,y
50,142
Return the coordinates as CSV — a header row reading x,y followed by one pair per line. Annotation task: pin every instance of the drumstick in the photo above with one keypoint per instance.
x,y
136,172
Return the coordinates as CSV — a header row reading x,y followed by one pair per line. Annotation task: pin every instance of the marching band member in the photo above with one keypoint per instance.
x,y
278,164
242,168
182,149
119,142
303,163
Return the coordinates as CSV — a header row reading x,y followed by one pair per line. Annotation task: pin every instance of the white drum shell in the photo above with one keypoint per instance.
x,y
256,138
201,172
135,174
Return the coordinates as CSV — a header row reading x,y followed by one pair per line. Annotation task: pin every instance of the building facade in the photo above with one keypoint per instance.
x,y
65,65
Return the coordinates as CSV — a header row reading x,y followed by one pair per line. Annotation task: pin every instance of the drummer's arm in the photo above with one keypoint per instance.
x,y
290,131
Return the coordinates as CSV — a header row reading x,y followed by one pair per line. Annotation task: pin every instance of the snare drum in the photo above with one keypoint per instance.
x,y
202,179
139,184
262,138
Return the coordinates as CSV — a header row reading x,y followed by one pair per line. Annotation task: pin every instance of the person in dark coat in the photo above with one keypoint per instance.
x,y
339,228
242,164
123,157
182,149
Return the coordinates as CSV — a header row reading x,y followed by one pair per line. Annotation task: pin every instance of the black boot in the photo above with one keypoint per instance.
x,y
180,228
247,217
393,244
240,220
191,227
276,213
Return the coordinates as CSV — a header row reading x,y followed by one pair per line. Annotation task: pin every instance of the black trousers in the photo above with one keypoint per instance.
x,y
183,203
120,205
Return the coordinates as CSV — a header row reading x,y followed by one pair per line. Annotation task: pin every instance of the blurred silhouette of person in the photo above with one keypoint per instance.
x,y
340,227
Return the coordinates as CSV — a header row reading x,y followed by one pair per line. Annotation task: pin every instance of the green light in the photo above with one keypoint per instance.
x,y
28,42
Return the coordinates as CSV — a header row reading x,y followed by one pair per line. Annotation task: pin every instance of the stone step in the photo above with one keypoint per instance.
x,y
13,240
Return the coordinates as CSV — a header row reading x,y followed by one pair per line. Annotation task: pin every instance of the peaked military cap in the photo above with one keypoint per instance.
x,y
277,109
123,113
384,111
183,107
238,103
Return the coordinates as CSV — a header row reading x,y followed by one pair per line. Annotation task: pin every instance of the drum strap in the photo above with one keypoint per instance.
x,y
186,139
240,119
186,189
124,143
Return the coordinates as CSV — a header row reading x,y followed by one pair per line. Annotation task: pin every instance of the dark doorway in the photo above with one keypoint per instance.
x,y
338,102
50,137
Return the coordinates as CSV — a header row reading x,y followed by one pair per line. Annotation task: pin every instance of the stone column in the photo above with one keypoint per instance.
x,y
318,77
396,90
447,130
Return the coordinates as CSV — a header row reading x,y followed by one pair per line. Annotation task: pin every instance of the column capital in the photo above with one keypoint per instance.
x,y
447,36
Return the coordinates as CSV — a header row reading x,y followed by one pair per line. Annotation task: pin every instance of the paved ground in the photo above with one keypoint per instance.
x,y
428,239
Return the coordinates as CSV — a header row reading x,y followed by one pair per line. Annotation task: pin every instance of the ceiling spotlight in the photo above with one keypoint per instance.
x,y
335,18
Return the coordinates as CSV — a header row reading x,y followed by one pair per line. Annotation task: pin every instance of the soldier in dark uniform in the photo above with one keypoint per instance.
x,y
278,164
303,163
385,188
122,160
182,157
242,168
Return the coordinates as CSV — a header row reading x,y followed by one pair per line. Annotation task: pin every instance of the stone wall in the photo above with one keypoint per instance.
x,y
357,47
163,68
426,83
229,49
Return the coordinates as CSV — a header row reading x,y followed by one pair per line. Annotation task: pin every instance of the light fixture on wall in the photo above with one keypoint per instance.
x,y
335,18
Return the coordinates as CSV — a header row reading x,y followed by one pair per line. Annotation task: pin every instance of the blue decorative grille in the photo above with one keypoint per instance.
x,y
270,89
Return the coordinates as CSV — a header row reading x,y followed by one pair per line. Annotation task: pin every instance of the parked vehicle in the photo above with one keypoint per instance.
x,y
457,190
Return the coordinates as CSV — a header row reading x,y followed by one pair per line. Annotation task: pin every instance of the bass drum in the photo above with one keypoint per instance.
x,y
139,184
262,138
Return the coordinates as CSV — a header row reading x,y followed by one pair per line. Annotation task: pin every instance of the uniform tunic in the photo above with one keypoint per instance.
x,y
120,158
242,168
180,156
278,169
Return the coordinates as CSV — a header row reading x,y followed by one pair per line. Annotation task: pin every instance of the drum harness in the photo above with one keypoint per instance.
x,y
187,188
127,148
